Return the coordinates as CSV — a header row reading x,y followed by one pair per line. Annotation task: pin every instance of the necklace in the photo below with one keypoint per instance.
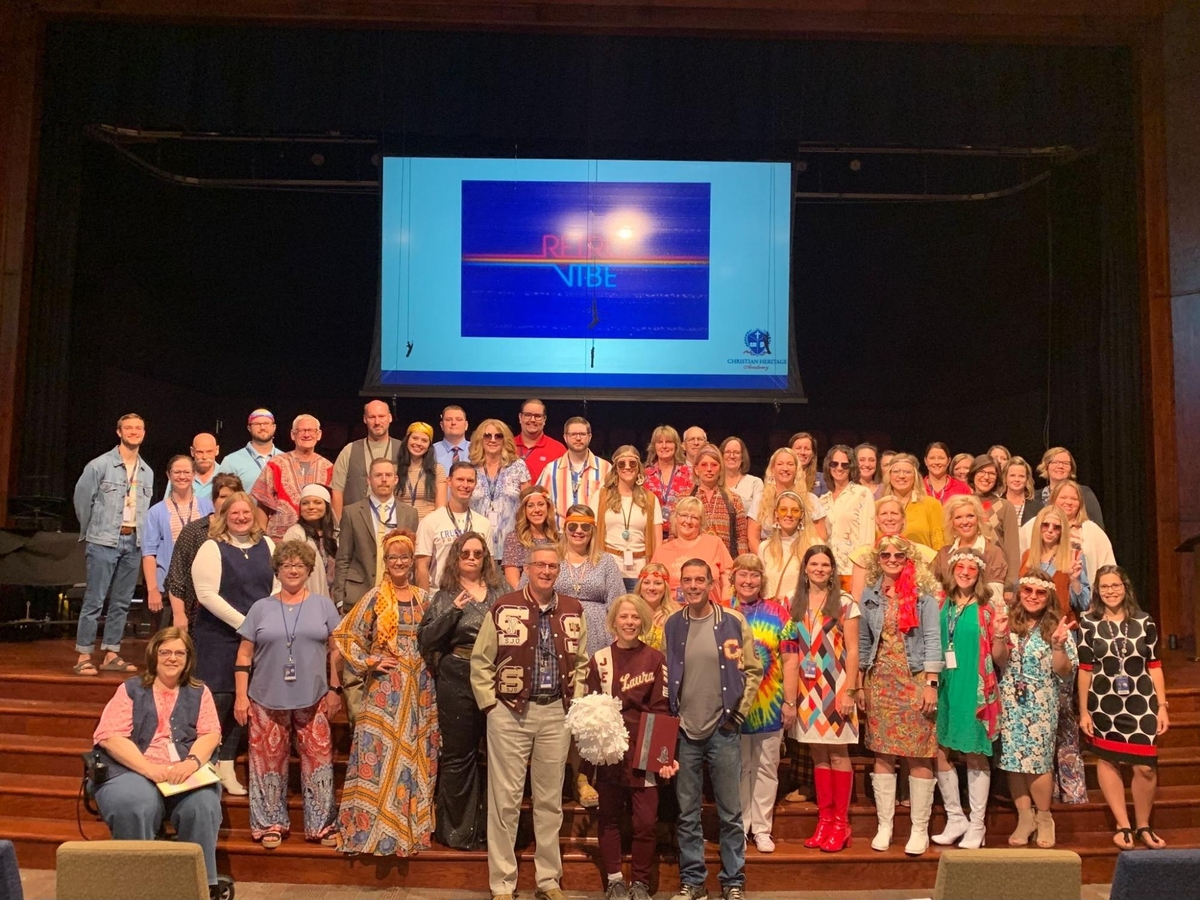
x,y
578,573
626,517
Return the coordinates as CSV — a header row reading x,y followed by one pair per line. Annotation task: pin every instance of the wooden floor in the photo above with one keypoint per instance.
x,y
47,715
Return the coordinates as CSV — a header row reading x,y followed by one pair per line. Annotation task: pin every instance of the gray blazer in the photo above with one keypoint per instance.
x,y
354,570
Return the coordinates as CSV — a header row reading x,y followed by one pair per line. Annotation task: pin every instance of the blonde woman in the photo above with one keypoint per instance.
x,y
784,550
783,474
535,524
232,571
668,476
654,586
628,517
966,524
1017,489
690,541
889,522
960,466
1086,536
922,514
851,509
500,476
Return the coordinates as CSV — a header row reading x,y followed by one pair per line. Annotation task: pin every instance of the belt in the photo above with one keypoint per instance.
x,y
462,650
545,699
127,529
638,554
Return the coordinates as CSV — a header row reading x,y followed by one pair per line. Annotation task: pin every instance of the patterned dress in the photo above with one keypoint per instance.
x,y
497,498
388,800
679,485
1126,725
1029,717
822,641
895,723
774,637
278,488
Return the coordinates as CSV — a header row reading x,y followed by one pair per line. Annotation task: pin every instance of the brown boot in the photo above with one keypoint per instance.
x,y
1045,829
1026,825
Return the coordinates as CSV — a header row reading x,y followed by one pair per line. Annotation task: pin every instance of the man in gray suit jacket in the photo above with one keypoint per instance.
x,y
358,568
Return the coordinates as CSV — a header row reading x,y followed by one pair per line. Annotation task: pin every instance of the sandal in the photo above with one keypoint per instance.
x,y
330,840
271,840
86,668
1146,835
1123,838
797,796
116,664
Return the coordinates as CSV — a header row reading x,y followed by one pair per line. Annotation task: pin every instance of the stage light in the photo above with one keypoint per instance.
x,y
855,165
802,166
625,233
318,159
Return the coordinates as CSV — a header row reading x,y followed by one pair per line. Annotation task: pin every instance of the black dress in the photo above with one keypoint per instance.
x,y
445,637
1125,723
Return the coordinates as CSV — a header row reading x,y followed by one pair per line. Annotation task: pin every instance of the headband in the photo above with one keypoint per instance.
x,y
794,496
969,556
584,518
709,450
399,539
260,413
1034,581
315,490
422,427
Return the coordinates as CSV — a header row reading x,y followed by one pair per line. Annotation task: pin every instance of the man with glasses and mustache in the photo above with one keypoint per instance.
x,y
535,446
277,491
529,661
578,475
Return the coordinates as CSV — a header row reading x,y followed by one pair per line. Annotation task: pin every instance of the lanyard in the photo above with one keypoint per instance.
x,y
386,454
390,522
1121,644
458,532
412,486
666,485
952,620
291,638
490,485
179,516
256,458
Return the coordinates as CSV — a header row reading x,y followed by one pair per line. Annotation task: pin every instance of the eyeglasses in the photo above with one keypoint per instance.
x,y
627,464
576,527
470,554
526,415
292,566
578,434
1051,526
172,654
839,465
542,566
492,436
307,431
395,559
893,554
1110,588
686,517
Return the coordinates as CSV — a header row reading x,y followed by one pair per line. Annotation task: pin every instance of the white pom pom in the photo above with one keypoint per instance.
x,y
598,729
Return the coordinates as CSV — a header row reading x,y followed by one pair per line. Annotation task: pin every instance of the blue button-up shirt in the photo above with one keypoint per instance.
x,y
100,498
246,464
443,452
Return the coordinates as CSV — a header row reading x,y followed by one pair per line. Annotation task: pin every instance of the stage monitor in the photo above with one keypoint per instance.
x,y
596,278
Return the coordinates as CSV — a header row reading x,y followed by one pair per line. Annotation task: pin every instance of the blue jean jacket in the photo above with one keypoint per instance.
x,y
100,498
922,645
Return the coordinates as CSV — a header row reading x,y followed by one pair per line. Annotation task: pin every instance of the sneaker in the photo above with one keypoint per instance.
x,y
552,894
617,890
691,892
639,890
764,843
733,892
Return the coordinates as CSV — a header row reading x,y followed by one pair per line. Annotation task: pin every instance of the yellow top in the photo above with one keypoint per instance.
x,y
924,517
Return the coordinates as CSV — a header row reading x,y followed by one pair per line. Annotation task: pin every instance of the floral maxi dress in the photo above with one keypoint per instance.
x,y
1029,704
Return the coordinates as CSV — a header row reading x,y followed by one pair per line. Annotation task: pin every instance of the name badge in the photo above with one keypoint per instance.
x,y
289,671
951,659
628,557
809,668
1123,685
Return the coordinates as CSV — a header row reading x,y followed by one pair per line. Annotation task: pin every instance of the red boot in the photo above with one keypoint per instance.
x,y
822,778
838,836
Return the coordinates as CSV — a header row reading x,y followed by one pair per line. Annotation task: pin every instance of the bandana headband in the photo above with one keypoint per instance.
x,y
400,539
1034,581
588,519
422,427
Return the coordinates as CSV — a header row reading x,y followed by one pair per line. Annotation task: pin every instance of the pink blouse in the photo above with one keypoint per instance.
x,y
117,721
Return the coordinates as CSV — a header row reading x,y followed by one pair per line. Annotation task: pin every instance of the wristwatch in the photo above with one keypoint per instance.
x,y
194,758
791,703
337,690
931,682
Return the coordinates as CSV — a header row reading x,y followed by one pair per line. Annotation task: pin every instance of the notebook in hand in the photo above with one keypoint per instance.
x,y
654,747
202,777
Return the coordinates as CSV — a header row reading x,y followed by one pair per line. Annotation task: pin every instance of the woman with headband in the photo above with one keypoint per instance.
x,y
628,516
654,586
900,658
422,478
388,799
968,717
317,528
783,552
1036,656
536,524
783,474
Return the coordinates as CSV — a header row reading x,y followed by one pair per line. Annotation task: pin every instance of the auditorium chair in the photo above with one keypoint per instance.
x,y
1006,874
1158,873
131,870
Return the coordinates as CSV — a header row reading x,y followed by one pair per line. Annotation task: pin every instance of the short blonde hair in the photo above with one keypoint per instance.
x,y
643,611
918,489
689,504
1016,461
1043,466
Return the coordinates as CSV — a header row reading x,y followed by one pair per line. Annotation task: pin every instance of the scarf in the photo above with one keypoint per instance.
x,y
907,592
987,694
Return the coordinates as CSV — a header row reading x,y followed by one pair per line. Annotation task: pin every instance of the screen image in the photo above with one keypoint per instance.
x,y
599,275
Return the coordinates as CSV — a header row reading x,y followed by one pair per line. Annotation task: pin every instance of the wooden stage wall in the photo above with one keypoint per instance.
x,y
1167,66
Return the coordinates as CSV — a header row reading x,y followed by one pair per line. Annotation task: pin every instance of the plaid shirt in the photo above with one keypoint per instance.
x,y
717,514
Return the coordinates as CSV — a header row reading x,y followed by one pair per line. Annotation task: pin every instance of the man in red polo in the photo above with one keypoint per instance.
x,y
535,446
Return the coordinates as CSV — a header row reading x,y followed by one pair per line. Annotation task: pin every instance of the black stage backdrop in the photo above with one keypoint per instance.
x,y
1012,320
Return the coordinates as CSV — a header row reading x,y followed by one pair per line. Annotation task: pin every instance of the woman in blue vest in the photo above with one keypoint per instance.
x,y
161,727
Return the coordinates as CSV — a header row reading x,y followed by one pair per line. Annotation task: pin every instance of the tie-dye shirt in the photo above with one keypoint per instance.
x,y
774,635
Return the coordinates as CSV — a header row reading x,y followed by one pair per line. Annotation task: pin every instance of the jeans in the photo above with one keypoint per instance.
x,y
133,810
721,751
111,572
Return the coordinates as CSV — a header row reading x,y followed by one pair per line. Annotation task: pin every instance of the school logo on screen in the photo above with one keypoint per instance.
x,y
565,259
758,342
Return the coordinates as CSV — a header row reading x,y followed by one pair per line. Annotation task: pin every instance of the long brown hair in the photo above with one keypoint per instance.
x,y
1020,622
488,572
980,592
833,599
189,665
1129,605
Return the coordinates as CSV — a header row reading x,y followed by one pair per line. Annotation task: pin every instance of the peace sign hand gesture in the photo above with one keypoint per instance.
x,y
1058,640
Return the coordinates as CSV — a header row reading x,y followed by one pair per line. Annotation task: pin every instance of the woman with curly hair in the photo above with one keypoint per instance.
x,y
387,804
536,523
468,587
628,516
900,658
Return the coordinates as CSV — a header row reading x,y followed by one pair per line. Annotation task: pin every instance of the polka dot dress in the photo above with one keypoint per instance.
x,y
1126,724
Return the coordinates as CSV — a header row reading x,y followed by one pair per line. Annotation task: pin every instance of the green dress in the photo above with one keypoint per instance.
x,y
958,726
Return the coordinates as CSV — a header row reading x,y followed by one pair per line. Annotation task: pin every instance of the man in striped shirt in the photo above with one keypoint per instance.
x,y
577,475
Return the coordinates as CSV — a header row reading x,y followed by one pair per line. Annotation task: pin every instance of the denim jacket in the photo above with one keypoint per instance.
x,y
100,498
922,645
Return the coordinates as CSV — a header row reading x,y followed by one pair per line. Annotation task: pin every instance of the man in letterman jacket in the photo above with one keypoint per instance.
x,y
529,661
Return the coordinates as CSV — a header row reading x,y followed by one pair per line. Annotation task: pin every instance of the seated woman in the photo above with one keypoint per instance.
x,y
294,692
635,674
317,528
691,541
1122,701
161,727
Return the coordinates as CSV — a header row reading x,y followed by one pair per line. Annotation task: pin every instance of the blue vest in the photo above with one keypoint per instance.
x,y
145,721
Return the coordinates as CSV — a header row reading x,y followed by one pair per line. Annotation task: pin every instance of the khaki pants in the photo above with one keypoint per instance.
x,y
760,780
352,693
536,741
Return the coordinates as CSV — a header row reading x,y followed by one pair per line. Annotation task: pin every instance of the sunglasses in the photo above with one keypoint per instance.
x,y
1038,593
893,554
627,464
839,465
470,554
577,527
492,436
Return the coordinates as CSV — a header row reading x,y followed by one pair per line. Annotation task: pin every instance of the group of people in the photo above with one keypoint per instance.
x,y
456,597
